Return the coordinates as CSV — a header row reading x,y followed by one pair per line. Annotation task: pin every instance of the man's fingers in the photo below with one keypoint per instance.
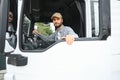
x,y
70,39
35,31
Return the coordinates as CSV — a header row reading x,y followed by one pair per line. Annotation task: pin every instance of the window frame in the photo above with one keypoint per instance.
x,y
93,24
105,19
104,26
3,23
3,26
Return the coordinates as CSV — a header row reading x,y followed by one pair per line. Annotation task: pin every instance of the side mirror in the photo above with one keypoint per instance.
x,y
17,60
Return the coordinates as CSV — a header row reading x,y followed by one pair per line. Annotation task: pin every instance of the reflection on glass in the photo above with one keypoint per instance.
x,y
26,25
95,17
32,41
45,29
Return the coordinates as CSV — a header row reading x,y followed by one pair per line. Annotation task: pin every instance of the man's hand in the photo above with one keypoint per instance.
x,y
69,39
36,32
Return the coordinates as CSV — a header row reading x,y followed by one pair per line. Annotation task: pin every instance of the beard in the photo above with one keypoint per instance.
x,y
57,25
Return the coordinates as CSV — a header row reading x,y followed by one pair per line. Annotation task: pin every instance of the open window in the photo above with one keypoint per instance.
x,y
11,38
90,19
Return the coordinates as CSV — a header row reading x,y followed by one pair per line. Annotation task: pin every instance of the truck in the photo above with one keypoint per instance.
x,y
95,55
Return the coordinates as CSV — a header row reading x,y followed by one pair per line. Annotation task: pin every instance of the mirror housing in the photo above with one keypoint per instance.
x,y
17,60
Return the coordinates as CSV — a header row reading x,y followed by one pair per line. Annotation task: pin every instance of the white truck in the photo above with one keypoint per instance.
x,y
95,55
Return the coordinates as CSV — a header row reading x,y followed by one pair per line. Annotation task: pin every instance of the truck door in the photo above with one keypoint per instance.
x,y
87,58
3,25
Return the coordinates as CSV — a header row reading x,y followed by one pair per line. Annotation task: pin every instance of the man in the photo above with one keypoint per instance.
x,y
62,32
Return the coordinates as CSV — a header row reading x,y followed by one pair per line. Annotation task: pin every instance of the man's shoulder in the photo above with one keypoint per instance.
x,y
68,28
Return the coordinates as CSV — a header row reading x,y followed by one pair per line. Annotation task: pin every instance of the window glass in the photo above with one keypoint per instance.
x,y
92,18
26,25
26,39
31,41
45,28
95,17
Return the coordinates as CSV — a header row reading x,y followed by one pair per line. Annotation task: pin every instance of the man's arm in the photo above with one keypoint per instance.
x,y
71,32
43,37
47,38
71,36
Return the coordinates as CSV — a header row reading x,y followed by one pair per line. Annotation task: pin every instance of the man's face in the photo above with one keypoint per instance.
x,y
57,22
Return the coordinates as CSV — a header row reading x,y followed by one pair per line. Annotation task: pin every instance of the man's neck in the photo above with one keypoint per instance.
x,y
58,29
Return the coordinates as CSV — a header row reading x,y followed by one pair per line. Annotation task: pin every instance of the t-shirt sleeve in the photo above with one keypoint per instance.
x,y
71,32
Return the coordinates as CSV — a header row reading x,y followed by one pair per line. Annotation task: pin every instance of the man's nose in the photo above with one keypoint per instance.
x,y
55,21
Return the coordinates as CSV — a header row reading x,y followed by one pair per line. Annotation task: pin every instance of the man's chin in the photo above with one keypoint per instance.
x,y
57,26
